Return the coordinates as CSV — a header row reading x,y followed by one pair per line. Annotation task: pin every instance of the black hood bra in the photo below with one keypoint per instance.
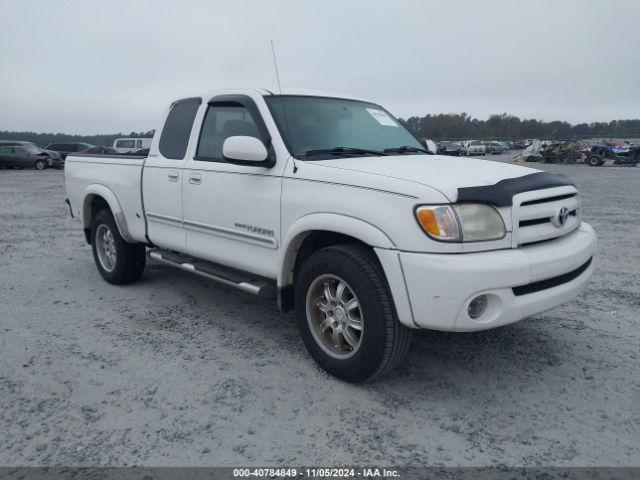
x,y
501,194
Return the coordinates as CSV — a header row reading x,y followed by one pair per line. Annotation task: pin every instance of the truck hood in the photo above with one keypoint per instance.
x,y
443,173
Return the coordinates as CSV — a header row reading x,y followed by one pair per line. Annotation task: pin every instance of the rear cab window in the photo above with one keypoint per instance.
x,y
177,128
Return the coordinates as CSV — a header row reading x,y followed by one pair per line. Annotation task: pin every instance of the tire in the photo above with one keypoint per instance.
x,y
41,164
595,161
382,342
118,261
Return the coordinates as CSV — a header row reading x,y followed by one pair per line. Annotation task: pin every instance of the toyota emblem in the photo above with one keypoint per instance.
x,y
561,219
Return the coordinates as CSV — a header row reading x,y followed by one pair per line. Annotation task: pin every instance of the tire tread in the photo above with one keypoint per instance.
x,y
398,336
133,255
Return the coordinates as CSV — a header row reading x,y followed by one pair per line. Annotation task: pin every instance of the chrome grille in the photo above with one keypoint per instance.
x,y
535,214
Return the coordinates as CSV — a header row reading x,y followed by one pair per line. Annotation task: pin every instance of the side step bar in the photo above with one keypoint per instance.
x,y
244,281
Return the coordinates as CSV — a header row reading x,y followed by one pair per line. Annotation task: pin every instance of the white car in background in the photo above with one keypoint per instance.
x,y
475,148
125,145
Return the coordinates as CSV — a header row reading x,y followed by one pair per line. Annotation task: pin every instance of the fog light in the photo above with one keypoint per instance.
x,y
477,306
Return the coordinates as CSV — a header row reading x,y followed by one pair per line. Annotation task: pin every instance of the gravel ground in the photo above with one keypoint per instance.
x,y
175,370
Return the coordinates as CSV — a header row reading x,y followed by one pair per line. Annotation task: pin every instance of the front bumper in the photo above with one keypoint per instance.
x,y
440,287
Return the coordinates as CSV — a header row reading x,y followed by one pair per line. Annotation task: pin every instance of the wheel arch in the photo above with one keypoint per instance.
x,y
96,198
318,230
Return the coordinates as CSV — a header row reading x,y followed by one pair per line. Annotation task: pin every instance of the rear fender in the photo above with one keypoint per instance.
x,y
101,191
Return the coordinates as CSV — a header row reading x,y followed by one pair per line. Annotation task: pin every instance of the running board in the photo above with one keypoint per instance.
x,y
244,281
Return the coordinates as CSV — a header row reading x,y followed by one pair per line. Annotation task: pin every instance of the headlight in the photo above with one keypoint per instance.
x,y
466,222
439,222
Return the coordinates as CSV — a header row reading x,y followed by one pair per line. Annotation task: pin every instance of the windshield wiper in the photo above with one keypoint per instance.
x,y
405,149
343,151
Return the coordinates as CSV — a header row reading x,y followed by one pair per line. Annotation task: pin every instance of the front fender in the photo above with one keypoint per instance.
x,y
98,190
330,222
384,247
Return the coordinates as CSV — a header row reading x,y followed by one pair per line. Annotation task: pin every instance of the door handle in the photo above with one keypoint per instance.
x,y
173,176
195,179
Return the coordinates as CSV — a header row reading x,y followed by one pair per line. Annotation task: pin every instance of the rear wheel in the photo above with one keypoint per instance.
x,y
118,261
346,315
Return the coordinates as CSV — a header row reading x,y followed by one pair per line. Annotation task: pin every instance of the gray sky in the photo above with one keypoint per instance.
x,y
107,66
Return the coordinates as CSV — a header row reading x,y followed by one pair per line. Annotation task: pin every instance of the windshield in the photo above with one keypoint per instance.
x,y
316,128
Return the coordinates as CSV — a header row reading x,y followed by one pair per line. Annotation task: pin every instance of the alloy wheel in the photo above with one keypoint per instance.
x,y
106,248
335,316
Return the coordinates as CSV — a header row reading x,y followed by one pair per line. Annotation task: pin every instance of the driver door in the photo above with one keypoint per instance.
x,y
232,212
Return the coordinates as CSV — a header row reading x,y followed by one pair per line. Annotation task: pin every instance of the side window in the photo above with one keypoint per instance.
x,y
177,128
126,144
5,150
222,121
138,143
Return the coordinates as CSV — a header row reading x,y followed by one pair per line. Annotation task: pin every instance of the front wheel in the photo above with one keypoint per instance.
x,y
346,315
118,261
41,164
595,161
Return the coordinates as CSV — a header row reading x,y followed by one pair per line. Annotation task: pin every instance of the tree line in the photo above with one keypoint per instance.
x,y
442,126
457,126
45,138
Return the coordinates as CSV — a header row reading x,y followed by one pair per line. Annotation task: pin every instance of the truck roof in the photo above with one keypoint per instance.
x,y
285,91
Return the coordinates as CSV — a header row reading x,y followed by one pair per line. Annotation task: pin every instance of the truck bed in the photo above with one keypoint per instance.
x,y
116,177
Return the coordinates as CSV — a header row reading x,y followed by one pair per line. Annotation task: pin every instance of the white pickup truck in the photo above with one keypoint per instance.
x,y
475,148
329,205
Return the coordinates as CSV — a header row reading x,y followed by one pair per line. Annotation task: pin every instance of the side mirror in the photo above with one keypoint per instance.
x,y
244,150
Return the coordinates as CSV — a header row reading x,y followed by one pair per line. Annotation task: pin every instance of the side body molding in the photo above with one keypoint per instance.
x,y
98,190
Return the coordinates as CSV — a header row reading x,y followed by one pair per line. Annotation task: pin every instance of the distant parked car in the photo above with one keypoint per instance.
x,y
450,148
100,151
614,148
518,145
125,145
494,148
55,159
66,148
23,156
475,148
